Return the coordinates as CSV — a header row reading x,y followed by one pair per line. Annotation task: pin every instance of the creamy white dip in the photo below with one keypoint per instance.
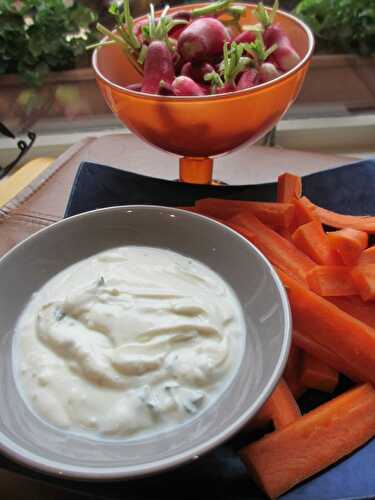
x,y
130,341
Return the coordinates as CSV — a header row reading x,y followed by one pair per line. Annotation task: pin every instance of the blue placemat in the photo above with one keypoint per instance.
x,y
220,474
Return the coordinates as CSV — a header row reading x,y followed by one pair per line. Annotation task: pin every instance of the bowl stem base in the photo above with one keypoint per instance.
x,y
196,170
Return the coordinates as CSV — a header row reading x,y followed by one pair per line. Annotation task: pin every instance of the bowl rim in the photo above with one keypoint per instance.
x,y
304,61
66,471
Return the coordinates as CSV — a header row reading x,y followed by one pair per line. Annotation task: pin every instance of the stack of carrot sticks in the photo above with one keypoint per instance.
x,y
330,280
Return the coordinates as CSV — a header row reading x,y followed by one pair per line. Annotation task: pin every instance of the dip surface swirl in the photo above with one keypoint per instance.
x,y
130,341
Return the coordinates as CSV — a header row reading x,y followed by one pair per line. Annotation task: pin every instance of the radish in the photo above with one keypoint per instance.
x,y
159,28
137,87
258,50
196,71
185,86
233,64
245,37
166,88
226,88
187,70
202,40
158,66
176,31
248,79
285,55
268,72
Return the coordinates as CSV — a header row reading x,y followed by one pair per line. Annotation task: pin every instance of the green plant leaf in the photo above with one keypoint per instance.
x,y
57,33
341,25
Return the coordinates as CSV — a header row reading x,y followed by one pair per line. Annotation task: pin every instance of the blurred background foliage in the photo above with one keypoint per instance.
x,y
38,36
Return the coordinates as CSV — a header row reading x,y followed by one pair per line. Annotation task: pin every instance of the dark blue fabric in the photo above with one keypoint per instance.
x,y
350,190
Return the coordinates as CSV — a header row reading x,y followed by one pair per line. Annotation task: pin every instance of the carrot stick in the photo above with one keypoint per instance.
x,y
315,441
317,375
289,188
276,214
293,365
349,243
364,279
285,232
367,256
280,407
356,307
311,239
362,223
281,252
330,358
331,281
328,325
304,212
297,388
292,372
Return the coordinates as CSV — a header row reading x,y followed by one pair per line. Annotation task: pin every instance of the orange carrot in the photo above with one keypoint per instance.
x,y
315,441
285,232
355,306
331,281
362,223
311,239
367,256
293,365
276,214
315,317
289,188
304,213
280,407
297,388
364,279
292,372
349,243
318,375
259,421
281,252
329,357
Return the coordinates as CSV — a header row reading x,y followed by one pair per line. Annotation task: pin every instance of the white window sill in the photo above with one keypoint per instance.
x,y
349,135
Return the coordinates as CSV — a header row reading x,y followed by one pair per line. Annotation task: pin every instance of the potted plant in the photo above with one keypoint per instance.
x,y
40,44
343,69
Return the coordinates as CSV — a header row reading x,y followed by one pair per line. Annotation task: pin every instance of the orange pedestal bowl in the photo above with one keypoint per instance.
x,y
199,128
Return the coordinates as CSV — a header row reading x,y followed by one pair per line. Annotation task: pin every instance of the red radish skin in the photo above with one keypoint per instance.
x,y
226,88
245,37
248,79
206,89
185,86
202,40
285,55
136,87
268,72
196,71
158,67
177,30
166,88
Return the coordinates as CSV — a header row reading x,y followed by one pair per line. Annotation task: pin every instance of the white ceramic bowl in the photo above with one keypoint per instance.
x,y
27,440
